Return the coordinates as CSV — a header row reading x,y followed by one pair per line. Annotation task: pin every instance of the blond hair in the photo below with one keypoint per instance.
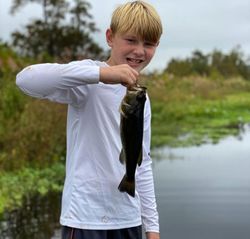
x,y
139,18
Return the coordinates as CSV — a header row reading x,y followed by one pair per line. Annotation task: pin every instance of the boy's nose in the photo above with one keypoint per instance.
x,y
139,50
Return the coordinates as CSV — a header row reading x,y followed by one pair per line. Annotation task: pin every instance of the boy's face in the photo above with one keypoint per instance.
x,y
130,49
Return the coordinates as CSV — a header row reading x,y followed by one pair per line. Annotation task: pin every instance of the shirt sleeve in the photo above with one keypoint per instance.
x,y
62,83
144,179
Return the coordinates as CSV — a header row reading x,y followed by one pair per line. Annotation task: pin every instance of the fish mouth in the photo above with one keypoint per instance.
x,y
137,88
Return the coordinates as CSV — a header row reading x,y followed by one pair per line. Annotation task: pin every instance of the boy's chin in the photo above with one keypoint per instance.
x,y
138,68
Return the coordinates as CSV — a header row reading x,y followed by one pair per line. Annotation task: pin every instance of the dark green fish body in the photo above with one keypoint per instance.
x,y
131,127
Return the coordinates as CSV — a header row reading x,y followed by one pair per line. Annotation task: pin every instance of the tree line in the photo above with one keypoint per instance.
x,y
215,64
64,31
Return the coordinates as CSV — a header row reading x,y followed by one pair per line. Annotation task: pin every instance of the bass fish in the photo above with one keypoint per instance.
x,y
131,131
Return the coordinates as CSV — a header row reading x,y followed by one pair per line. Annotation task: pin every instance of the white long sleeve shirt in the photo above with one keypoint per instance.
x,y
91,199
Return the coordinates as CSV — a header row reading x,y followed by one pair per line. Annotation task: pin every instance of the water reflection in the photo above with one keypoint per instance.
x,y
204,192
37,219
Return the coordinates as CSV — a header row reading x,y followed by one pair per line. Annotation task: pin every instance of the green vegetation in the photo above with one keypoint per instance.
x,y
186,110
32,138
16,185
194,110
214,65
32,132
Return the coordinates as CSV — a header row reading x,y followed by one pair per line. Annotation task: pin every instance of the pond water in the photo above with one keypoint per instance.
x,y
203,192
37,219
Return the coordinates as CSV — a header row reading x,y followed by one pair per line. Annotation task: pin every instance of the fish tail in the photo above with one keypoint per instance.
x,y
127,186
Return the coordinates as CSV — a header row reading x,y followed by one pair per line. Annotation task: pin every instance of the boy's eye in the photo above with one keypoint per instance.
x,y
130,40
150,44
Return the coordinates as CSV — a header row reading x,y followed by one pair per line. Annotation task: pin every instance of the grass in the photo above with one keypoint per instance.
x,y
195,110
14,186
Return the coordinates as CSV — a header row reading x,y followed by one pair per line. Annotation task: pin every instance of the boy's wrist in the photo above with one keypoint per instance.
x,y
152,235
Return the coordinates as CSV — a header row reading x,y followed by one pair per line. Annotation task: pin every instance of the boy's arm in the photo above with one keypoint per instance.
x,y
145,183
57,82
60,82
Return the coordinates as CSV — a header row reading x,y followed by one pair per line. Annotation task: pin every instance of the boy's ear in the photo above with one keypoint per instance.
x,y
109,37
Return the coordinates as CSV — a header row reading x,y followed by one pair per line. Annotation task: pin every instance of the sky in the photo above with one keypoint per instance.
x,y
188,25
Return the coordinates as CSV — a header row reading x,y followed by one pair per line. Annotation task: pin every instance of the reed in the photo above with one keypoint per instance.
x,y
196,110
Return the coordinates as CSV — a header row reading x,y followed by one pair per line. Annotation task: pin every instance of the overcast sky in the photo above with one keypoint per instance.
x,y
188,25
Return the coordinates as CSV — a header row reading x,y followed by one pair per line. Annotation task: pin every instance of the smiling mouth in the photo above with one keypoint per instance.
x,y
134,61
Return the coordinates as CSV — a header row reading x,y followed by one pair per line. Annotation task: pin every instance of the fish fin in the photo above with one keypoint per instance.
x,y
121,110
122,113
140,159
127,186
122,156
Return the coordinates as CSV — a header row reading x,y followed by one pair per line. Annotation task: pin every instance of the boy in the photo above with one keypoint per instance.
x,y
92,205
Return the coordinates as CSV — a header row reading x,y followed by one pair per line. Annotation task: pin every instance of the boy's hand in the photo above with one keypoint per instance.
x,y
152,235
119,74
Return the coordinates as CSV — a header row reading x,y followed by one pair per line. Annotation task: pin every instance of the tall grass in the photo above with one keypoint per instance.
x,y
194,110
32,132
32,138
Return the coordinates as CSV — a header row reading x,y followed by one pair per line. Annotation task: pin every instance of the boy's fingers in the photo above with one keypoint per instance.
x,y
132,76
123,74
131,80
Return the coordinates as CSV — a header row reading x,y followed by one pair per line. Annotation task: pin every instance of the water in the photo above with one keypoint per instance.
x,y
37,219
202,192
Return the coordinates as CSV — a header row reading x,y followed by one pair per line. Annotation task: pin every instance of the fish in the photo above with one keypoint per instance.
x,y
131,133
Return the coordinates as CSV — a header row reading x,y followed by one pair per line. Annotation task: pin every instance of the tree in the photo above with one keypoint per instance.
x,y
199,63
179,67
226,65
55,36
232,64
